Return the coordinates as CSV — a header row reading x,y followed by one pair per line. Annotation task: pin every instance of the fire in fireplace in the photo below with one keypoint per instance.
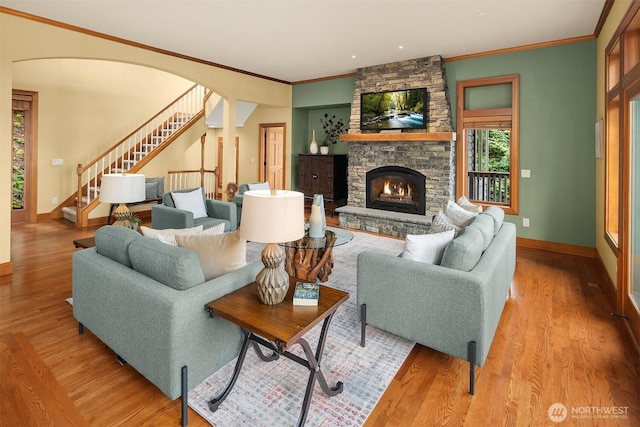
x,y
396,188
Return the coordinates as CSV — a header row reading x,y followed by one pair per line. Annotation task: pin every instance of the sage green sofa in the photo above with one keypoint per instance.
x,y
145,300
453,307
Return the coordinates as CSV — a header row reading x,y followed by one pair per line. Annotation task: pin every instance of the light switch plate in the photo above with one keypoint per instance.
x,y
526,173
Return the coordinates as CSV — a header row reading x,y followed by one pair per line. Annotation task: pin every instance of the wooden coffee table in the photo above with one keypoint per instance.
x,y
278,327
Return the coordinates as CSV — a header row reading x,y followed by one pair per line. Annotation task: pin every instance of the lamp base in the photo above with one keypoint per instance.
x,y
272,281
122,215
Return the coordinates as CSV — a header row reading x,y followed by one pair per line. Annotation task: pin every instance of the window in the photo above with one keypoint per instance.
x,y
487,147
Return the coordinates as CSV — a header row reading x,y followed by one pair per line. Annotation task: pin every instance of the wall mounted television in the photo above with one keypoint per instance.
x,y
399,109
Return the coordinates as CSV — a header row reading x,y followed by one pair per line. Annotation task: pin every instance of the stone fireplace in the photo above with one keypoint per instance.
x,y
423,160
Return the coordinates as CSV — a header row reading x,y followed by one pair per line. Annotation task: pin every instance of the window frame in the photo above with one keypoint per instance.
x,y
489,118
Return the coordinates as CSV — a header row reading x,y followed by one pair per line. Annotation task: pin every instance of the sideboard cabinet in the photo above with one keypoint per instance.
x,y
324,174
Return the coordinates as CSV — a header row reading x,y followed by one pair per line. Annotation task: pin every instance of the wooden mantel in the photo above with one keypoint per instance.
x,y
399,137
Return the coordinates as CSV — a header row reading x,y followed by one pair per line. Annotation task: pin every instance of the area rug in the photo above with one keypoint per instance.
x,y
269,394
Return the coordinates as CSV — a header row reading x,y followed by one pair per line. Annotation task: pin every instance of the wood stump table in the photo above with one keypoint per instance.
x,y
311,259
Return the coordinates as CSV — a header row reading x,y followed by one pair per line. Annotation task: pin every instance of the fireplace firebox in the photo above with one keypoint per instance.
x,y
396,188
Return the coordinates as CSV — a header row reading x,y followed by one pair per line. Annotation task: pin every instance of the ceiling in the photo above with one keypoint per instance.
x,y
297,40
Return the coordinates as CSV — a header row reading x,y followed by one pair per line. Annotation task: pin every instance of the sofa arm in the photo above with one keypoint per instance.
x,y
223,210
167,217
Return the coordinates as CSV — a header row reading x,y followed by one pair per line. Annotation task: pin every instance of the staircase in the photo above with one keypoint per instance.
x,y
134,151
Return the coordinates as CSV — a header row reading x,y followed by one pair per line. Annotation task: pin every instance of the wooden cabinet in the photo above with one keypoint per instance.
x,y
324,174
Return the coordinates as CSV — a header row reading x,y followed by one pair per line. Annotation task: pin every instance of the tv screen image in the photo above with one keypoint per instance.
x,y
400,109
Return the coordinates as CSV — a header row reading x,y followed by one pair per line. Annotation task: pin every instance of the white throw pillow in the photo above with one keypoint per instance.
x,y
191,201
259,186
442,223
458,215
465,204
153,232
170,239
427,248
218,254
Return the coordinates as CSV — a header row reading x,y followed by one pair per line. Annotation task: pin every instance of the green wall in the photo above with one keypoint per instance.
x,y
557,142
557,139
310,102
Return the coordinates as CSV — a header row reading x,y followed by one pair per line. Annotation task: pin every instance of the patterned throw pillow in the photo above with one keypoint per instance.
x,y
441,223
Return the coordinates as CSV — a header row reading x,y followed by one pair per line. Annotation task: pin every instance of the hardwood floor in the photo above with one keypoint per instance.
x,y
556,343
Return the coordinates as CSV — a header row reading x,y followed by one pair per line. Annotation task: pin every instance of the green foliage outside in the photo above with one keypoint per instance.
x,y
17,173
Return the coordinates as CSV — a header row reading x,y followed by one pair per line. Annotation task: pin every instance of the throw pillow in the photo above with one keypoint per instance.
x,y
259,186
464,252
153,232
459,216
218,254
191,201
484,223
465,204
441,223
427,248
170,239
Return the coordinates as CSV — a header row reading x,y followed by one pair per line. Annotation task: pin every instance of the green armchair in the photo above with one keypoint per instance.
x,y
168,215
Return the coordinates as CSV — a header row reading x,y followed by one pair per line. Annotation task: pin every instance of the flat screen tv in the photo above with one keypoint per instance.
x,y
399,109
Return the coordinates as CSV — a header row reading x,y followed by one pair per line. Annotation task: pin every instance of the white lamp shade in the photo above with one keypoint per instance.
x,y
122,188
272,218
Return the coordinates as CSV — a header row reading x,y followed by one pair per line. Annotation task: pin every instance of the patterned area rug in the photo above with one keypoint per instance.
x,y
270,394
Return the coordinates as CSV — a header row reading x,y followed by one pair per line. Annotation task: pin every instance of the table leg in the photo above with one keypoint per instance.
x,y
316,372
216,401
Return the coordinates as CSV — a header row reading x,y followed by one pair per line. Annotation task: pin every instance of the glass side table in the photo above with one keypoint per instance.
x,y
311,259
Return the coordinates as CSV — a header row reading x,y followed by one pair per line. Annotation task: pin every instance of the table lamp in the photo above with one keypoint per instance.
x,y
272,216
122,188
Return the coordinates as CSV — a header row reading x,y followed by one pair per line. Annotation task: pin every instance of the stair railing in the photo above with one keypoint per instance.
x,y
127,154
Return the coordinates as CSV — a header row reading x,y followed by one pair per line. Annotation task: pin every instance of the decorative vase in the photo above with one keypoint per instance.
x,y
315,223
318,199
324,149
313,148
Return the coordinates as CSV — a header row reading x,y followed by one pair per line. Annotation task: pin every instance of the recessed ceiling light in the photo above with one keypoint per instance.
x,y
400,47
482,13
353,57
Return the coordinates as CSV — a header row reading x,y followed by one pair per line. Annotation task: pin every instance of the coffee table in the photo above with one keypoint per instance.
x,y
277,328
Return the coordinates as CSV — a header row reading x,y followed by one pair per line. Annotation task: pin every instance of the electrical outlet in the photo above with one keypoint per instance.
x,y
56,162
54,200
525,222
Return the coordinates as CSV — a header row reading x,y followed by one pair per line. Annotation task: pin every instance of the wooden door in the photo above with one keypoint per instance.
x,y
272,157
23,176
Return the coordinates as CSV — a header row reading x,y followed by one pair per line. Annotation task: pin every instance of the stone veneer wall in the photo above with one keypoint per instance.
x,y
410,74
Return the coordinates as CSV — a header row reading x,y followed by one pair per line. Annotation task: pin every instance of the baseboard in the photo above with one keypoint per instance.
x,y
562,248
610,289
6,268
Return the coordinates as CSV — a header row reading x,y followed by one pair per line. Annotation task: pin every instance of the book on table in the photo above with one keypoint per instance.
x,y
306,294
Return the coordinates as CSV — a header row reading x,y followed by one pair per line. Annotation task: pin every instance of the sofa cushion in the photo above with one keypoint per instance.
x,y
464,252
442,223
153,232
218,254
484,223
113,242
498,217
175,267
170,238
427,248
465,204
191,201
458,215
